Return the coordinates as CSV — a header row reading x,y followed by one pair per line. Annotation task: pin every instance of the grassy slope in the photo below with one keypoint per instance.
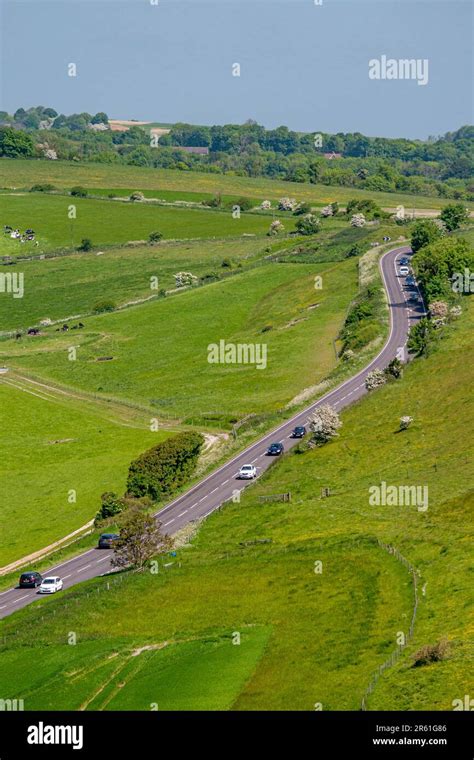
x,y
24,173
329,630
107,222
149,357
37,474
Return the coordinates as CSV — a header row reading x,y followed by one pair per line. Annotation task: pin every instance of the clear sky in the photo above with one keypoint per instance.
x,y
302,64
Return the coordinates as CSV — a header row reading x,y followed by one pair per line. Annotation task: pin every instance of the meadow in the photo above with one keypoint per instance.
x,y
106,222
17,174
320,630
52,444
158,351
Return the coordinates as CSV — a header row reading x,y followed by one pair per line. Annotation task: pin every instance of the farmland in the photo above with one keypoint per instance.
x,y
64,175
311,637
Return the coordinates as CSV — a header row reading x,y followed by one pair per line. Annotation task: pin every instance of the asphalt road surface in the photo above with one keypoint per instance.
x,y
221,485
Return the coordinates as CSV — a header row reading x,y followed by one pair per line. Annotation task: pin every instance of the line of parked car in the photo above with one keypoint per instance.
x,y
48,585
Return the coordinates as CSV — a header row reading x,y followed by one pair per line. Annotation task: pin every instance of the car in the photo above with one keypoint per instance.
x,y
299,431
50,585
275,449
30,579
404,271
107,540
404,260
411,280
247,472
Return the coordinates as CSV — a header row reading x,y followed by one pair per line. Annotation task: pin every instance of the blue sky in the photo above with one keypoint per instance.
x,y
302,65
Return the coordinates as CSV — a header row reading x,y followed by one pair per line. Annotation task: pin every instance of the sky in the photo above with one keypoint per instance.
x,y
302,64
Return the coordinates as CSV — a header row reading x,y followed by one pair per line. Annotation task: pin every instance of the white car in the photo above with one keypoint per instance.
x,y
50,585
247,472
404,271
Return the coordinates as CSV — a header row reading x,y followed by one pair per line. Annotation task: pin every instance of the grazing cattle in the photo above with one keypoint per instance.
x,y
33,331
18,336
65,328
80,325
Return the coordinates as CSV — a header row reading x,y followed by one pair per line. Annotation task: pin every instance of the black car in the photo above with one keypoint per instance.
x,y
299,432
275,449
106,540
410,280
30,579
404,261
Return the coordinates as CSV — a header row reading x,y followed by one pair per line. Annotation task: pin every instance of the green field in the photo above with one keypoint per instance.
x,y
63,174
52,444
328,631
159,349
108,222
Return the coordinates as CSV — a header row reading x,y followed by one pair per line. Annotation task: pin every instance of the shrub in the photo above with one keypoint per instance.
x,y
42,187
226,264
155,237
423,233
162,469
287,204
324,423
420,337
405,422
327,211
79,192
185,279
105,304
358,220
302,208
454,215
266,205
275,227
113,505
245,204
86,245
375,379
355,250
394,369
431,653
137,196
308,225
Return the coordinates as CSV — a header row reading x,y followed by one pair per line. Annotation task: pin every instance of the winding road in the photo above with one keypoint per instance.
x,y
207,495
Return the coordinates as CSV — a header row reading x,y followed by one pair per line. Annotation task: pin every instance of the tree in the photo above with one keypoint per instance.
x,y
15,144
454,215
405,422
106,304
137,196
140,540
375,379
308,225
79,192
324,423
100,118
355,250
394,369
275,227
420,337
358,220
424,232
155,237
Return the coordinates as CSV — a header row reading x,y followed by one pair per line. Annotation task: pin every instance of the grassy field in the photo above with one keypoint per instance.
x,y
327,631
51,445
108,222
64,174
160,349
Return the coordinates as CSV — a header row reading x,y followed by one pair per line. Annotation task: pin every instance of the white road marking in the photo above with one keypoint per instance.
x,y
81,569
101,560
225,481
66,576
170,521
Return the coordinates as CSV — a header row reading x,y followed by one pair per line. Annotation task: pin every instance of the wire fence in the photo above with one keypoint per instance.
x,y
396,654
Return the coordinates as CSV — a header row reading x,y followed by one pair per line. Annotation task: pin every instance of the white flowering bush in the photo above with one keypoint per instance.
x,y
266,205
51,154
276,227
327,211
455,311
185,279
348,355
287,204
439,309
358,220
375,379
405,422
324,423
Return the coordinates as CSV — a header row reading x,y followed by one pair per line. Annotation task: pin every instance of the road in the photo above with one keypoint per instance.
x,y
221,485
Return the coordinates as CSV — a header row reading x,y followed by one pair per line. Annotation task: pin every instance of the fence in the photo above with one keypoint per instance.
x,y
275,497
395,655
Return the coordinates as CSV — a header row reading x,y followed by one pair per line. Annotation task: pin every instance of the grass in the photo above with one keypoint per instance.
x,y
50,446
167,367
329,631
108,222
63,174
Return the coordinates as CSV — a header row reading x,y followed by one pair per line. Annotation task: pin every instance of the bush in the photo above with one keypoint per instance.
x,y
423,233
137,196
394,369
104,305
42,187
245,204
431,653
355,250
86,245
324,423
79,192
155,237
308,225
113,505
302,208
375,379
454,215
226,264
161,470
405,422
